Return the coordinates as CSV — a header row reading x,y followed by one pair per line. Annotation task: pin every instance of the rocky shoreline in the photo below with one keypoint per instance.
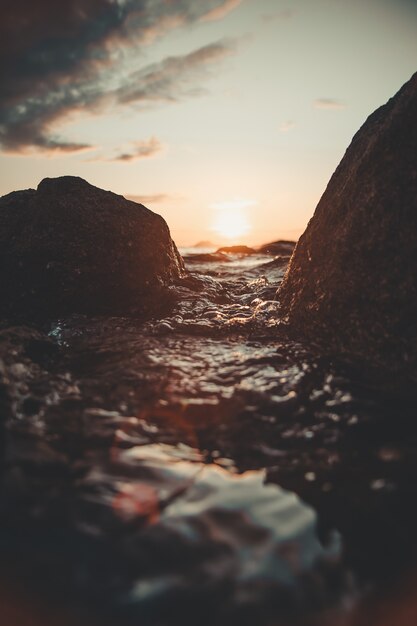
x,y
352,281
178,441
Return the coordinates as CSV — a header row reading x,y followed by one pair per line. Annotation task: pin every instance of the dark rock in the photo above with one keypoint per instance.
x,y
71,247
280,247
42,351
278,261
4,396
214,257
4,410
236,250
24,352
352,281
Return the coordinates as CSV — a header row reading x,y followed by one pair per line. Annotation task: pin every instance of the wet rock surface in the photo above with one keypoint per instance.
x,y
281,247
71,247
125,495
237,250
352,281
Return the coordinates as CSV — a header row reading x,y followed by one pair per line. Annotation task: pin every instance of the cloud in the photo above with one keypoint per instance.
x,y
285,127
329,104
221,11
173,78
61,58
156,198
145,149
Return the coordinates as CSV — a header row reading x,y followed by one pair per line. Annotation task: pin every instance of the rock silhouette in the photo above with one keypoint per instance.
x,y
237,250
71,247
280,247
352,280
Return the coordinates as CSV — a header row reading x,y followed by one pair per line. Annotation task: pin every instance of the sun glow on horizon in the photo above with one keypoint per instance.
x,y
231,221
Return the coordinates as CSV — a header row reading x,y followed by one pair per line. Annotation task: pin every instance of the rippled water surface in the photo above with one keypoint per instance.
x,y
202,461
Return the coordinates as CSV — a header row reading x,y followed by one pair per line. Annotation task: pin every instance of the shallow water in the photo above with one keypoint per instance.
x,y
127,447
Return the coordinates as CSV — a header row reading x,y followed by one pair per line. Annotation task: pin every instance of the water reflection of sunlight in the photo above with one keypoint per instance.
x,y
231,220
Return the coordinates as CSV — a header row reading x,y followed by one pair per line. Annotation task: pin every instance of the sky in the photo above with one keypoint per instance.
x,y
227,117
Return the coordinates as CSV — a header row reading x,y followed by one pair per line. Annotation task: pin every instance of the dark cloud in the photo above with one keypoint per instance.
x,y
329,104
57,58
221,10
406,4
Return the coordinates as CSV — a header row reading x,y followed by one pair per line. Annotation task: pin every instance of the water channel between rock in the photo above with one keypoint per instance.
x,y
202,461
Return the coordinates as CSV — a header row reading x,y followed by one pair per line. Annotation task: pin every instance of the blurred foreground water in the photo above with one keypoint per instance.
x,y
202,467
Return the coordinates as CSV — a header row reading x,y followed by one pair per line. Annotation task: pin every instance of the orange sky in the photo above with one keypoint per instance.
x,y
227,117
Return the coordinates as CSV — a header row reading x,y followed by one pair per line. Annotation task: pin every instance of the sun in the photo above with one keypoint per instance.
x,y
231,221
231,225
